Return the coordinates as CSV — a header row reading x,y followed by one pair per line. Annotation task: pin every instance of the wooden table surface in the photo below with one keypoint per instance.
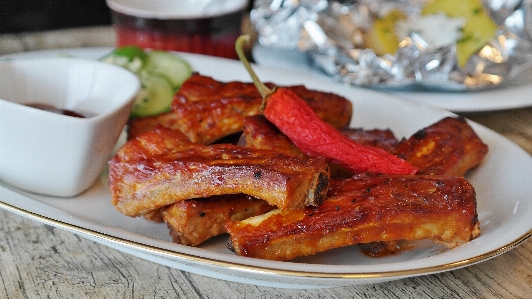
x,y
40,261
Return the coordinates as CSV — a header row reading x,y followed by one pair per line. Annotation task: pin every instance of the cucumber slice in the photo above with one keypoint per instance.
x,y
160,73
169,65
129,57
155,96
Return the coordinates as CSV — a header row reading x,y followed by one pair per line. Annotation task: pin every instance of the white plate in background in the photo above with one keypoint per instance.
x,y
515,93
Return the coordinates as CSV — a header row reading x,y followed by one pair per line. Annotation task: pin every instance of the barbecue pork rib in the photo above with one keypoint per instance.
x,y
193,221
383,139
447,147
258,132
158,168
207,110
363,209
138,126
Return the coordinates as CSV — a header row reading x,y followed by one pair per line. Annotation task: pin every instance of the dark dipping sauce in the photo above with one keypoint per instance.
x,y
52,109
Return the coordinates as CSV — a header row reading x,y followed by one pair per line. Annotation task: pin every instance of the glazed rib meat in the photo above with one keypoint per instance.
x,y
363,209
259,133
383,139
158,168
167,172
451,154
141,125
191,222
448,147
207,110
194,221
158,142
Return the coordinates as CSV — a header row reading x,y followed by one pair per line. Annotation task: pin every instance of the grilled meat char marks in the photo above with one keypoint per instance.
x,y
383,139
146,183
364,209
164,173
207,110
448,147
258,132
194,221
436,152
138,126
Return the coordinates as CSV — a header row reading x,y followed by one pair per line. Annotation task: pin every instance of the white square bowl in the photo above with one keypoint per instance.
x,y
54,154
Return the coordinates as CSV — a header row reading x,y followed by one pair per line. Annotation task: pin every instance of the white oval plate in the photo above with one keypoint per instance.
x,y
502,183
515,93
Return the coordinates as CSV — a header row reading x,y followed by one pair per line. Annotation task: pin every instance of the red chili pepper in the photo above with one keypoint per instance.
x,y
292,116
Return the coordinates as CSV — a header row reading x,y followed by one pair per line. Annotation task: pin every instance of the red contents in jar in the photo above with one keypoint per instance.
x,y
214,36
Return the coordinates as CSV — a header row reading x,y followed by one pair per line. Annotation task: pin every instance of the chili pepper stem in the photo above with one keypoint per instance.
x,y
262,88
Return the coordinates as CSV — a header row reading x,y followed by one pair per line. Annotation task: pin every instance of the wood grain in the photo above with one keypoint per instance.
x,y
40,261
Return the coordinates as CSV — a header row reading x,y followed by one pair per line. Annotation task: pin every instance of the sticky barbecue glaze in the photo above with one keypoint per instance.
x,y
157,169
363,209
207,110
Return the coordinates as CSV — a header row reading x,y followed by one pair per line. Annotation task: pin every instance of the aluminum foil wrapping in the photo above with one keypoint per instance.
x,y
332,34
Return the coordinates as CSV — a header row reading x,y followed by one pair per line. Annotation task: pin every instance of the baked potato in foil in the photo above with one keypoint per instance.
x,y
450,45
